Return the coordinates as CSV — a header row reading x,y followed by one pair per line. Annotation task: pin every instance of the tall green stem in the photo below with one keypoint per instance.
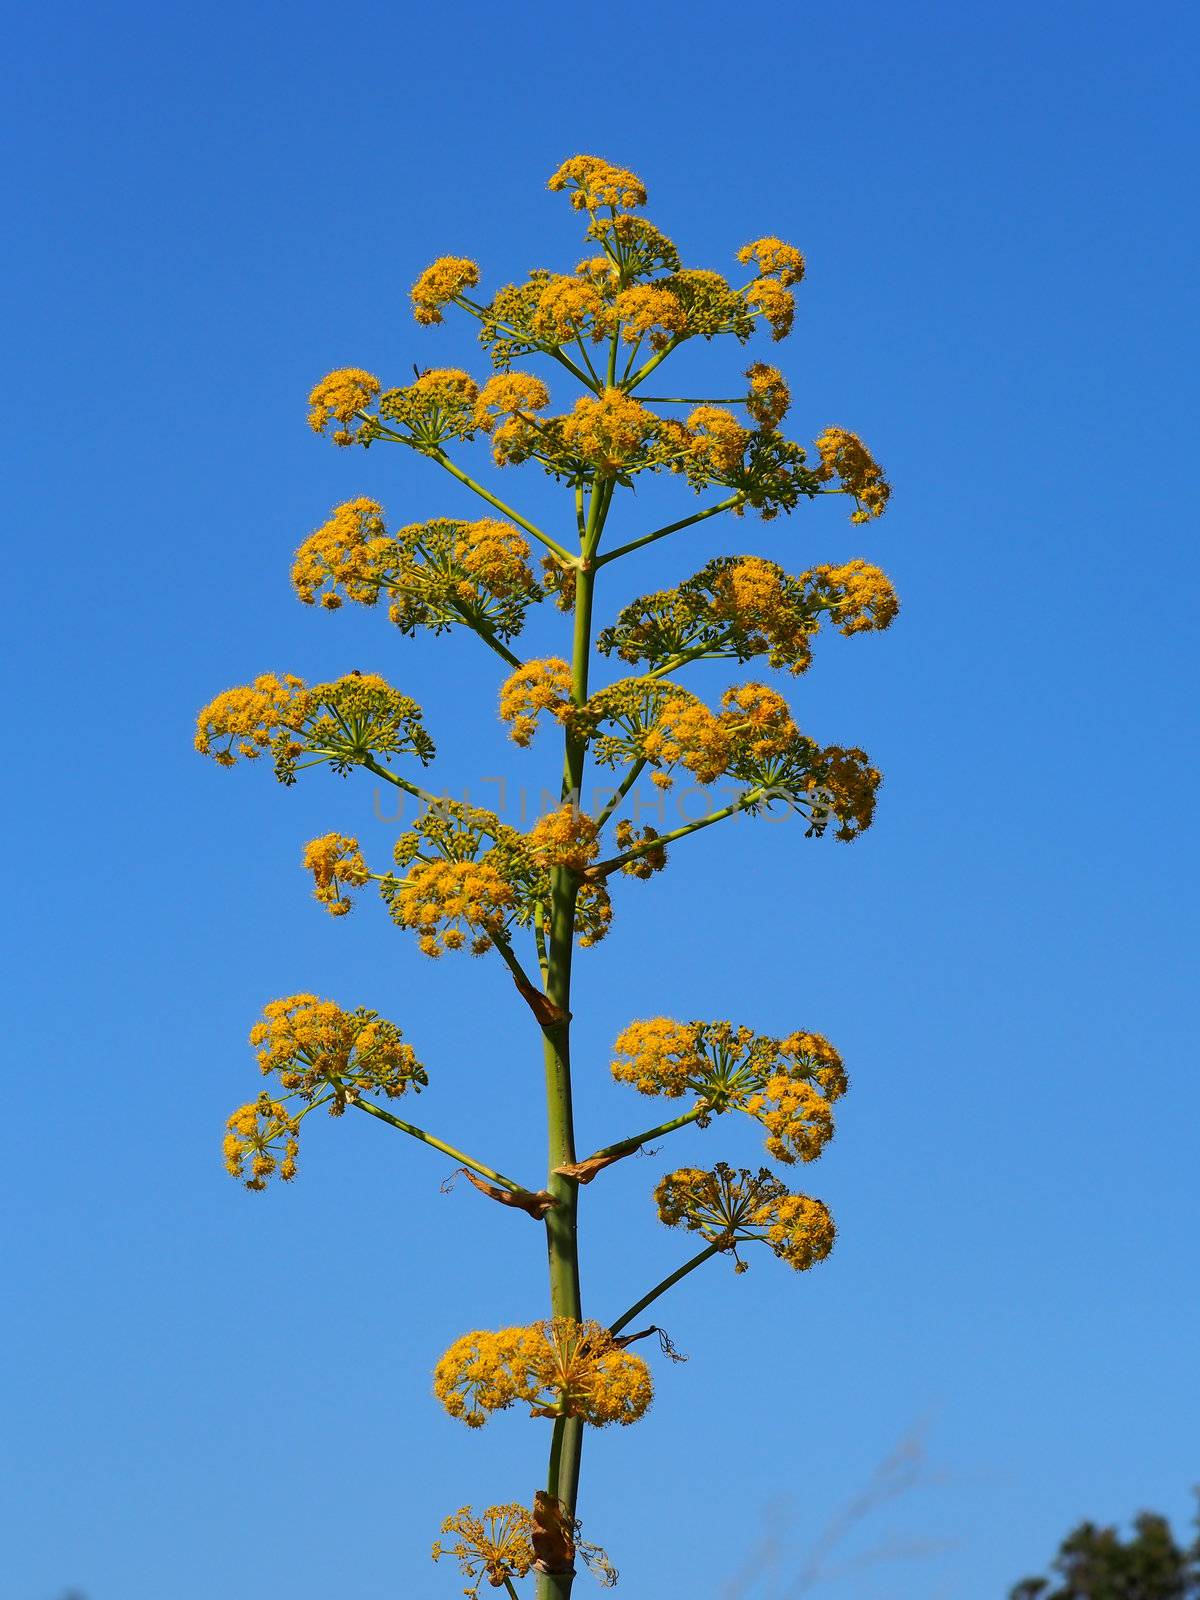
x,y
562,1221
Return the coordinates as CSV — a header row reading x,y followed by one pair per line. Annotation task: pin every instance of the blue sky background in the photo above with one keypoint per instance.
x,y
213,1393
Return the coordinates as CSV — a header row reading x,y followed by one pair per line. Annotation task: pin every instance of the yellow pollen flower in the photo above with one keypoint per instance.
x,y
335,861
564,838
344,553
336,399
312,1045
769,396
568,308
860,596
845,456
759,718
558,1367
775,304
249,716
441,283
719,441
507,394
456,896
535,687
495,1545
730,1208
774,259
609,432
648,312
594,182
260,1140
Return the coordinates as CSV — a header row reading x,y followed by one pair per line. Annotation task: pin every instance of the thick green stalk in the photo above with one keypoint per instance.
x,y
562,1221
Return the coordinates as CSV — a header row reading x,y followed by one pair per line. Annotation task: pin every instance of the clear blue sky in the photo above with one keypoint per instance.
x,y
210,1393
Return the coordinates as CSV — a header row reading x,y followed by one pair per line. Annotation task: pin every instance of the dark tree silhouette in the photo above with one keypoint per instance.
x,y
1097,1564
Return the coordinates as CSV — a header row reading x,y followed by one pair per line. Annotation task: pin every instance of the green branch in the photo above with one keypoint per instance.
x,y
627,783
602,869
455,471
730,504
626,1147
639,1306
439,1144
414,789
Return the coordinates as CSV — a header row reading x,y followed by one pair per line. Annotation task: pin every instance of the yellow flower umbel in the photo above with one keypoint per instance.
x,y
340,397
315,1048
439,405
494,1545
593,183
336,863
349,722
788,1085
249,717
564,838
729,1208
346,553
769,396
558,1367
441,284
846,457
261,1139
507,408
744,606
535,687
463,899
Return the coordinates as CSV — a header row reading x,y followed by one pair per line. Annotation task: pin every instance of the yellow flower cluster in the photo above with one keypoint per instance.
x,y
495,1545
564,838
261,1139
467,869
775,304
774,259
712,305
460,897
346,722
650,861
752,597
535,687
250,716
843,784
312,1045
743,606
347,552
335,862
754,723
860,597
337,398
718,441
846,457
439,405
593,182
558,1367
758,720
440,284
632,247
647,311
769,396
730,1208
569,308
507,395
610,434
659,1056
687,733
779,267
788,1085
496,556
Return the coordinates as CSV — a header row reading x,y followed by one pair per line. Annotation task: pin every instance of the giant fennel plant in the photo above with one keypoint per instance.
x,y
463,878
